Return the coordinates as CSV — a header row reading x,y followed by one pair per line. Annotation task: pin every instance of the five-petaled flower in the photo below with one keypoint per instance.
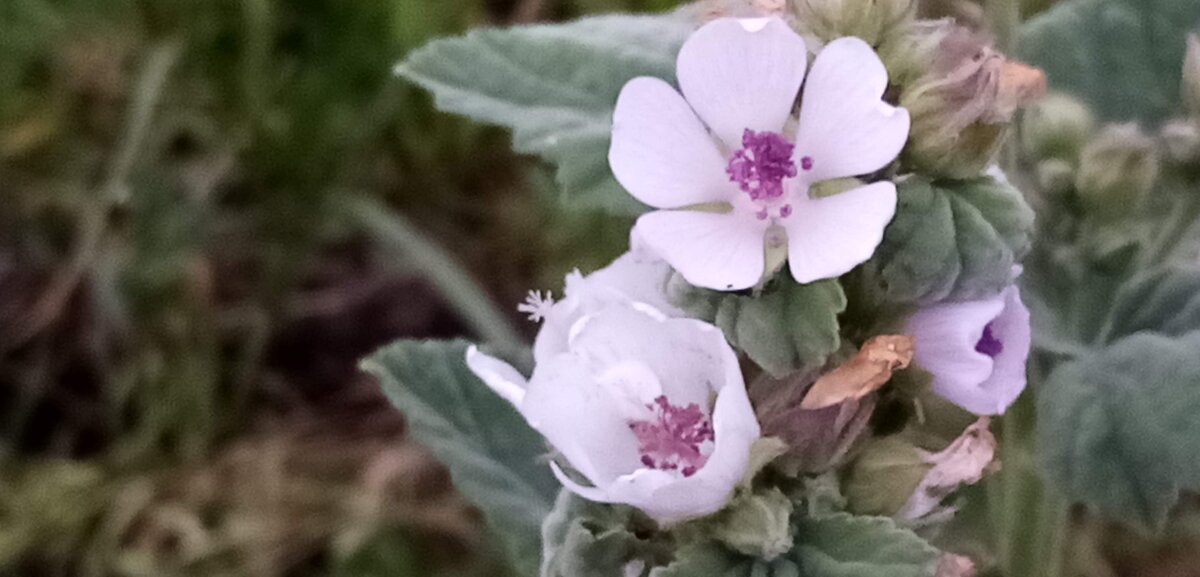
x,y
975,350
730,171
649,411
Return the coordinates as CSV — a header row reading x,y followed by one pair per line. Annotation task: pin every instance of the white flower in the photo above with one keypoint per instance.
x,y
726,146
650,411
976,350
636,276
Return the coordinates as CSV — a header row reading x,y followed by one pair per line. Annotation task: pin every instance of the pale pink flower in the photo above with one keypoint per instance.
x,y
728,169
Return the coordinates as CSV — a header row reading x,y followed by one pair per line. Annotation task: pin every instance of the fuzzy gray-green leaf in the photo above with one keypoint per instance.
x,y
953,240
492,454
843,545
789,327
555,86
1165,300
1123,57
1119,429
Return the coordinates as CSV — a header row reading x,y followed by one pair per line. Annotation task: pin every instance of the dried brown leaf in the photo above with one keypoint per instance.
x,y
863,374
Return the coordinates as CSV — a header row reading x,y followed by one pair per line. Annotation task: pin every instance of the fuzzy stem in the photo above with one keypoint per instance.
x,y
1004,17
440,268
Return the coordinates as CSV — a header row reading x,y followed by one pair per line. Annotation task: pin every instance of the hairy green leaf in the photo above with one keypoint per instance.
x,y
843,545
714,560
492,454
1123,57
1119,430
788,327
585,539
1165,300
950,240
555,86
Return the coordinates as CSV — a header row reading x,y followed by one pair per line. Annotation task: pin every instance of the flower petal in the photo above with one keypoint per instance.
x,y
946,336
637,276
691,359
845,128
742,74
722,251
1008,375
661,153
829,236
576,415
669,498
498,375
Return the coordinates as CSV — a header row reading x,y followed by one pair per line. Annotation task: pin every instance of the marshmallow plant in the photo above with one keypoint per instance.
x,y
800,359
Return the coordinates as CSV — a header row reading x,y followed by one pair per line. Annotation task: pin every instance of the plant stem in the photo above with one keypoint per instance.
x,y
440,268
1005,18
94,215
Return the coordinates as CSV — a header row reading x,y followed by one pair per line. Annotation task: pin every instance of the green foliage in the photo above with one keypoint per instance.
x,y
842,545
788,327
585,539
389,554
1123,57
493,456
712,560
555,86
1164,300
1118,428
49,508
837,545
953,240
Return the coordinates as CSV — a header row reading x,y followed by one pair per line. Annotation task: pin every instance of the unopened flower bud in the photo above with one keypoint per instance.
x,y
1055,177
1191,76
757,524
871,20
909,52
962,106
1116,172
1181,142
884,477
817,440
1056,127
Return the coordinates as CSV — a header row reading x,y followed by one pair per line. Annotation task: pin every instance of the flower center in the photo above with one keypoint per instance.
x,y
988,344
672,438
761,165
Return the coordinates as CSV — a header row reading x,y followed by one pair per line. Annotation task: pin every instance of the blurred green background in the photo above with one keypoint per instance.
x,y
207,220
211,209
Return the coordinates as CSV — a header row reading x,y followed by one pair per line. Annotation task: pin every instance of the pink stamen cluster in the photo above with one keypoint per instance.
x,y
988,344
762,164
672,439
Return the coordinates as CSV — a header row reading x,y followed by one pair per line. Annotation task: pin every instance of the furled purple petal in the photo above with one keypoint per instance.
x,y
948,338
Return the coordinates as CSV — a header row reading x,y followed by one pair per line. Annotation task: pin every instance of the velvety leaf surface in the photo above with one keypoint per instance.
x,y
494,458
1123,57
844,545
555,86
1165,300
789,327
1119,429
713,560
954,240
